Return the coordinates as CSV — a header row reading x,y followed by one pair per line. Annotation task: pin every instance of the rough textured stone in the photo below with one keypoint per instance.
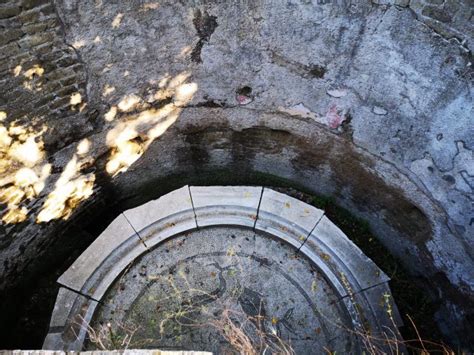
x,y
201,274
71,315
239,270
62,308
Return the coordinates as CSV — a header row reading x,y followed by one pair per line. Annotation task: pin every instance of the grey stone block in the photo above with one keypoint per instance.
x,y
226,205
383,306
286,217
53,341
343,256
167,216
320,260
63,306
375,313
102,262
68,326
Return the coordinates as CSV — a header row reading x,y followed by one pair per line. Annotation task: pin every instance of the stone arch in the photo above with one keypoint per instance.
x,y
361,287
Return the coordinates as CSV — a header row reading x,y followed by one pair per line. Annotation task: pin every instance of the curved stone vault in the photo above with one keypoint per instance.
x,y
244,248
105,105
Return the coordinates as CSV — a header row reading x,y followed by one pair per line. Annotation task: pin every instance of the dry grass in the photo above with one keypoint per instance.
x,y
248,337
108,336
245,335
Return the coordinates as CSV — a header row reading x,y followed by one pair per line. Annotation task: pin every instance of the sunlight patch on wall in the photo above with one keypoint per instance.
x,y
32,76
83,147
117,20
35,70
107,90
150,6
17,70
76,99
22,172
110,115
70,190
76,102
29,152
133,123
79,44
128,103
185,52
131,137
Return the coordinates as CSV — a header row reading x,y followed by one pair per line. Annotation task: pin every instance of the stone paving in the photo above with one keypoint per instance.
x,y
172,270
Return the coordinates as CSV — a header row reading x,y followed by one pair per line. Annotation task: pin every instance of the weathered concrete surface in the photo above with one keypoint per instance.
x,y
369,103
331,243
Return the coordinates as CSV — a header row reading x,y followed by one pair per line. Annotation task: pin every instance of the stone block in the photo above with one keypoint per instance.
x,y
37,39
374,311
9,50
29,4
71,314
383,306
44,49
30,16
102,262
342,256
286,217
158,219
10,35
9,11
68,80
226,205
34,27
53,342
47,9
58,103
63,306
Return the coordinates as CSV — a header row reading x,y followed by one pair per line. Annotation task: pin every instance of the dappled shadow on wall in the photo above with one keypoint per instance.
x,y
132,124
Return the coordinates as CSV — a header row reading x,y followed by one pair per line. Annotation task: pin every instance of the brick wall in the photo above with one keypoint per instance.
x,y
42,110
31,37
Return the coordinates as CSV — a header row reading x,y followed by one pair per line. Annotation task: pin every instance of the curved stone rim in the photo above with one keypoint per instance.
x,y
361,286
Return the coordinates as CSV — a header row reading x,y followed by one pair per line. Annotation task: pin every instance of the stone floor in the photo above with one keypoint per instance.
x,y
178,296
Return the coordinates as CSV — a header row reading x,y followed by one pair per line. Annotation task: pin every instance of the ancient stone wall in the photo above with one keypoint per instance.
x,y
42,110
370,103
